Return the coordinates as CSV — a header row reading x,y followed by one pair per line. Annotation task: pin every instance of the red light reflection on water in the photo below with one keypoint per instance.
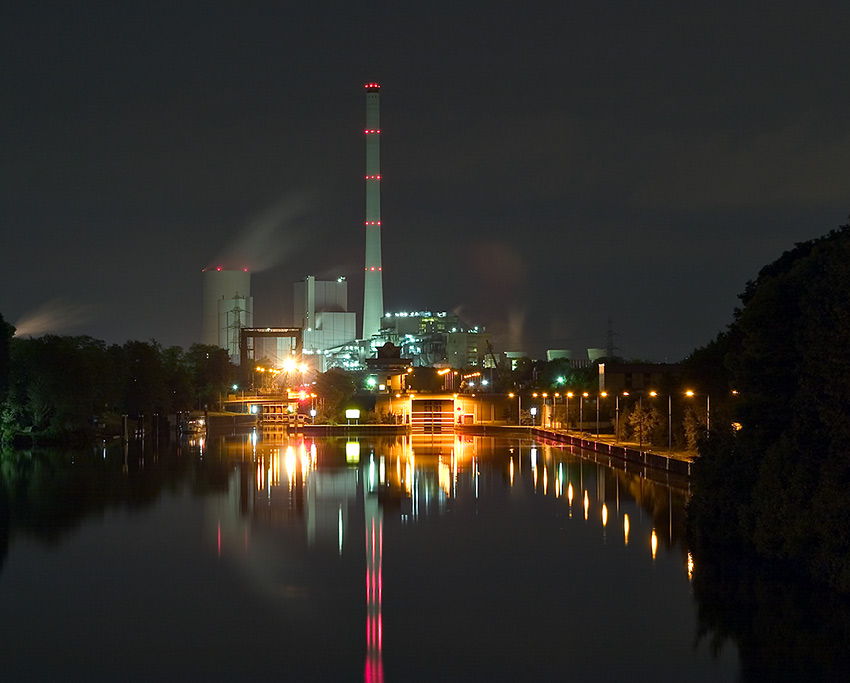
x,y
374,672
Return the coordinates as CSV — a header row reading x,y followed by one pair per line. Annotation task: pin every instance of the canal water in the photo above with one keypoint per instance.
x,y
371,559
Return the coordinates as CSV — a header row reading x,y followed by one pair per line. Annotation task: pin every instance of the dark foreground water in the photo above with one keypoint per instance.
x,y
397,560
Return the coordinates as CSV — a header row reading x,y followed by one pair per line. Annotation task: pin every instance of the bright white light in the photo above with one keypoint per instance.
x,y
340,530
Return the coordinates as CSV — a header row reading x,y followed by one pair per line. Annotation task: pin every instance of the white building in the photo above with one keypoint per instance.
x,y
321,310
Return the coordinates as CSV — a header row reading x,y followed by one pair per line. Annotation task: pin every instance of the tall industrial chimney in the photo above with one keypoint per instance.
x,y
373,291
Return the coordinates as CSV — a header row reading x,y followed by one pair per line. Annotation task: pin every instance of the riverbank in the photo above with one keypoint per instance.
x,y
674,462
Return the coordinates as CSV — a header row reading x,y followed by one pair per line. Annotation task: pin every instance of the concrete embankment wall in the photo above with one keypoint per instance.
x,y
647,459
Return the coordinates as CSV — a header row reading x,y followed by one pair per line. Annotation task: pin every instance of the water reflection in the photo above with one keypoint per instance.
x,y
475,536
327,484
784,629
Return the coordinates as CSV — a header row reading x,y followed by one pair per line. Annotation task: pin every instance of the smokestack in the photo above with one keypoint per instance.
x,y
373,291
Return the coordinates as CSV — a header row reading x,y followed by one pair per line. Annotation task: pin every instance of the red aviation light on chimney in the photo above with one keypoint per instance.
x,y
373,86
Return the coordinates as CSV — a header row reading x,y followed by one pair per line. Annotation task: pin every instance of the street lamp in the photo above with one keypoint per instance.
x,y
555,397
603,394
569,395
669,418
617,429
581,411
640,422
518,408
691,393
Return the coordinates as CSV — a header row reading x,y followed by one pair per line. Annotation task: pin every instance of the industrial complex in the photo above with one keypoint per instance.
x,y
466,382
323,332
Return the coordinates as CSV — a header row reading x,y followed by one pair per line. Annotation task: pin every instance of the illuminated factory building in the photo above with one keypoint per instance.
x,y
321,310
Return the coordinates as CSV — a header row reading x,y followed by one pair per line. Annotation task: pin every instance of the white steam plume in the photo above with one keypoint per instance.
x,y
54,317
266,239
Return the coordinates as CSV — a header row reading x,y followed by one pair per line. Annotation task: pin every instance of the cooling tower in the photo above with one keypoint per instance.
x,y
228,307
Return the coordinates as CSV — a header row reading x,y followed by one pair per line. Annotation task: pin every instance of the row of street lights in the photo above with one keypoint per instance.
x,y
604,394
567,396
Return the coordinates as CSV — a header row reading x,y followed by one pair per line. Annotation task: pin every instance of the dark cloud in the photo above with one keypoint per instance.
x,y
544,169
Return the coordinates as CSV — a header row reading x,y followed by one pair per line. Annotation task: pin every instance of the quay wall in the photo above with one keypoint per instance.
x,y
645,458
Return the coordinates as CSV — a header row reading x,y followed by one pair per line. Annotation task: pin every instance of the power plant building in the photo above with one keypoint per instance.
x,y
228,307
467,349
321,310
434,338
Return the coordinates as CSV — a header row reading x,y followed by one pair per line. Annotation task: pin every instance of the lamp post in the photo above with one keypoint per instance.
x,y
603,394
569,395
518,407
581,411
640,422
669,419
555,408
691,393
617,430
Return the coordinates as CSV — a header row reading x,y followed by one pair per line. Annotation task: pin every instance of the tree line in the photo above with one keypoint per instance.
x,y
778,486
64,387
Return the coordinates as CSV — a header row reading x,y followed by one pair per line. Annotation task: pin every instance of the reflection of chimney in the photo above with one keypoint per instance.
x,y
373,290
374,515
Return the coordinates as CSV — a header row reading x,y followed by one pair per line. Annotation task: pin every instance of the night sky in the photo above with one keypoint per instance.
x,y
544,167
